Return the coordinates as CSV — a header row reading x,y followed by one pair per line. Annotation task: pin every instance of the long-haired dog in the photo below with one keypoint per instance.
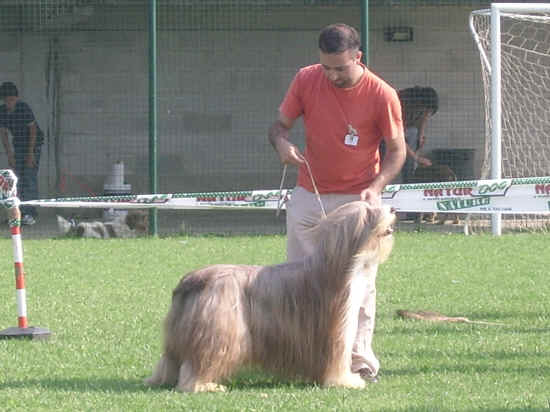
x,y
134,224
296,319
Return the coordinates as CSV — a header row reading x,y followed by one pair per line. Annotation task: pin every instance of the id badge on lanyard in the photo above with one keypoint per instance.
x,y
352,137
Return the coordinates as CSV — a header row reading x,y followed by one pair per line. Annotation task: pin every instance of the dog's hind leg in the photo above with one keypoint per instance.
x,y
188,382
165,373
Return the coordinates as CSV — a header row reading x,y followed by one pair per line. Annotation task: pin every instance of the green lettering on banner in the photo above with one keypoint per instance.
x,y
267,196
456,204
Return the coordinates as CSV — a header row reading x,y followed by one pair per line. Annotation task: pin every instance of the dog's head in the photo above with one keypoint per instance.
x,y
358,230
138,220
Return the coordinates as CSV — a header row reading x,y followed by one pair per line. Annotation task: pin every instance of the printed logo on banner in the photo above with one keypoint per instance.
x,y
222,198
447,192
243,199
151,199
457,204
390,191
243,204
542,189
275,195
492,188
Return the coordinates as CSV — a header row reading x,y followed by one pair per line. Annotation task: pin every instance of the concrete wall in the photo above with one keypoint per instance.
x,y
219,89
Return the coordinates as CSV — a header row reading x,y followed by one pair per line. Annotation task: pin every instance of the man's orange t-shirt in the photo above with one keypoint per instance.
x,y
371,107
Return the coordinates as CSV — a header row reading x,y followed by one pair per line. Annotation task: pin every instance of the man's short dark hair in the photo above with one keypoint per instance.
x,y
338,38
8,89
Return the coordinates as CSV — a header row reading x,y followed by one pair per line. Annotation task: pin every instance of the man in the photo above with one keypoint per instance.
x,y
347,112
418,104
17,117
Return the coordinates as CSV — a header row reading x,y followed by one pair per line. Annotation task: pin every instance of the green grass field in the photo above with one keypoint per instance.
x,y
104,301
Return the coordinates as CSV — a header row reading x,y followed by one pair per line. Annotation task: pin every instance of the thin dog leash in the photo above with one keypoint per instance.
x,y
280,203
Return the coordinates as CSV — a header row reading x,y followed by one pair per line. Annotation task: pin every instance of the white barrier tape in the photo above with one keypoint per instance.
x,y
523,195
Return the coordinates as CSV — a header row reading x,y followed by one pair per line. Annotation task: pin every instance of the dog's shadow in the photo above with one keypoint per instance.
x,y
256,379
241,381
80,384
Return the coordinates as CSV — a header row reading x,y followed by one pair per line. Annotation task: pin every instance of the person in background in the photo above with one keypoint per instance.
x,y
24,153
418,104
347,111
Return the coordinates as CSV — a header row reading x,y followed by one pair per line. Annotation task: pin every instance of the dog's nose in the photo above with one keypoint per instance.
x,y
392,210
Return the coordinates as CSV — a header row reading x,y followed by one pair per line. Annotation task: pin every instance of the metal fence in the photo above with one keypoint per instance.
x,y
223,67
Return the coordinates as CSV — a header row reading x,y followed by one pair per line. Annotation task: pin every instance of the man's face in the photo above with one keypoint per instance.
x,y
341,68
10,102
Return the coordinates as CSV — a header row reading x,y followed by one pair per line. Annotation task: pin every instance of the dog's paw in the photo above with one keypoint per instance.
x,y
351,380
204,387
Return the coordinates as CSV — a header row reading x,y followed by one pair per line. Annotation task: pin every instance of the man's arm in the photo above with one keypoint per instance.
x,y
394,158
7,147
424,161
29,159
278,137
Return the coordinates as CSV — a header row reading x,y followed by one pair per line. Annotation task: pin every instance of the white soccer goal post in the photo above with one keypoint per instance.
x,y
514,44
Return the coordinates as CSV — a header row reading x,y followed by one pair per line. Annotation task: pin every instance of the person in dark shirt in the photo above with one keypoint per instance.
x,y
24,153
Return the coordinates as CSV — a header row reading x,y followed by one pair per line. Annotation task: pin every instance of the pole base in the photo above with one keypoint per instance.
x,y
32,333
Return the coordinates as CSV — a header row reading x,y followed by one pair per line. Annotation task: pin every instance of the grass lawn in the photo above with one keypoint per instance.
x,y
104,301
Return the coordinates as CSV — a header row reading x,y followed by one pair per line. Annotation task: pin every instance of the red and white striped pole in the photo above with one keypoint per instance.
x,y
15,228
8,185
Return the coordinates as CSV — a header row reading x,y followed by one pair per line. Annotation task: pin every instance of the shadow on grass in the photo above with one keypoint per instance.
x,y
80,384
91,384
261,380
86,384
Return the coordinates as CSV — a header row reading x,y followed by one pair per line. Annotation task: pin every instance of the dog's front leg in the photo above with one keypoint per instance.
x,y
339,372
165,373
188,382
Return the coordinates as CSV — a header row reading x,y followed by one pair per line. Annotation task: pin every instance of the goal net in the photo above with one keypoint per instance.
x,y
525,98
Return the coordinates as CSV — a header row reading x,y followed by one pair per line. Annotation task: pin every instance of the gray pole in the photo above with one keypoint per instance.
x,y
365,30
153,226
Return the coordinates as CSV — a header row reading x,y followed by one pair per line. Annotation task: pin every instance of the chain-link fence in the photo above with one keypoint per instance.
x,y
223,67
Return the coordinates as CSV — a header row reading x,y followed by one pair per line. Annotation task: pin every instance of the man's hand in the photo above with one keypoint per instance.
x,y
278,137
289,153
371,196
423,161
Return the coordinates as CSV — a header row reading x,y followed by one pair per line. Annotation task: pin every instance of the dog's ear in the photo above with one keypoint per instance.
x,y
138,220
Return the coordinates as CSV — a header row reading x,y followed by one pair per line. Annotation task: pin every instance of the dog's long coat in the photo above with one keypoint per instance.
x,y
294,319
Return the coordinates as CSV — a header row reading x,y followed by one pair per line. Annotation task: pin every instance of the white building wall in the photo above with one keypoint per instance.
x,y
218,93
